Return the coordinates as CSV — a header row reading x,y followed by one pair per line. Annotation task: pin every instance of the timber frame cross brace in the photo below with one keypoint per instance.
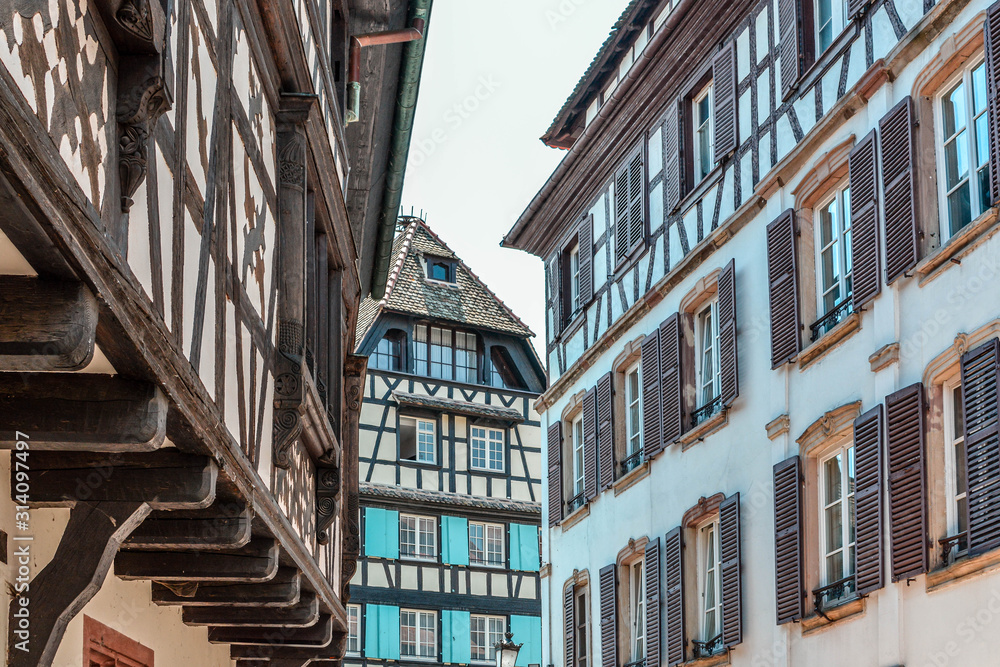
x,y
411,34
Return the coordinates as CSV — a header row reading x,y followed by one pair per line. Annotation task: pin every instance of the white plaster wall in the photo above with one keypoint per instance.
x,y
954,625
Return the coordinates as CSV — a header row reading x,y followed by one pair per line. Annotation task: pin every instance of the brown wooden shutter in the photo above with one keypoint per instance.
x,y
673,557
651,566
788,540
730,555
905,451
992,30
865,274
553,276
724,102
586,238
590,444
609,616
652,441
790,49
554,444
671,382
783,288
899,183
868,500
630,222
673,165
856,8
728,358
605,431
569,623
980,396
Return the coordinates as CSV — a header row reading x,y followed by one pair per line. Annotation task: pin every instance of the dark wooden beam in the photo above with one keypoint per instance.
x,y
221,526
71,579
256,562
46,325
165,480
334,650
301,615
318,635
81,412
283,590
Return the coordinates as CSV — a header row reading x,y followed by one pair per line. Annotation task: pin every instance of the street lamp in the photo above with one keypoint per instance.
x,y
507,651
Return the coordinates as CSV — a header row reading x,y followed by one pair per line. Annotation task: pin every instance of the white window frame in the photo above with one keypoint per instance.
x,y
699,125
837,22
425,436
424,622
492,631
354,629
713,382
574,279
577,455
421,526
709,564
953,441
964,76
840,198
491,441
492,535
581,615
845,448
637,609
633,399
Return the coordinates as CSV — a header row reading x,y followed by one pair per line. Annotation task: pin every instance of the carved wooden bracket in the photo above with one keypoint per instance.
x,y
287,391
145,83
327,500
354,372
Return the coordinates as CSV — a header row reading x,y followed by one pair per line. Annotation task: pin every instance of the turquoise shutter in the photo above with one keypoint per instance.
x,y
382,632
456,637
381,533
524,547
454,540
527,630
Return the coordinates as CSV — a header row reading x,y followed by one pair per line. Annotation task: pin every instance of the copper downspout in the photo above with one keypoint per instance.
x,y
371,39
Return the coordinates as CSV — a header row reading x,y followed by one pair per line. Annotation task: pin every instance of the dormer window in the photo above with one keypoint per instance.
x,y
440,269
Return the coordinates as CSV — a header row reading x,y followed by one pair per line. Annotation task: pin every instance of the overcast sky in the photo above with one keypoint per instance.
x,y
495,74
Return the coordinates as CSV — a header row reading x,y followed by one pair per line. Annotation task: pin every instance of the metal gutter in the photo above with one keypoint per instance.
x,y
399,148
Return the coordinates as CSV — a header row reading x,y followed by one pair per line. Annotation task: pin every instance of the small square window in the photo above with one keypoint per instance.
x,y
417,440
417,634
417,537
440,269
486,632
486,542
487,449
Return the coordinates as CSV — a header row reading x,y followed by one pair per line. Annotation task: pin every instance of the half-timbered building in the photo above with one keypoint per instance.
x,y
194,197
772,332
449,468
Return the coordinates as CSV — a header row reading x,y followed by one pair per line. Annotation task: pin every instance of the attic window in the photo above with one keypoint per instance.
x,y
440,269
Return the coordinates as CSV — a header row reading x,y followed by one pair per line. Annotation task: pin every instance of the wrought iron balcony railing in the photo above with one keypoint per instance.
x,y
836,315
827,596
706,412
631,463
709,647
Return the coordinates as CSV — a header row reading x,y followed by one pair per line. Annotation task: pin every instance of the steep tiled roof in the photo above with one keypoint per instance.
x,y
369,490
469,301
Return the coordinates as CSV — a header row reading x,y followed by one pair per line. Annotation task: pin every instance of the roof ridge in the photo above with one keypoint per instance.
x,y
479,280
404,250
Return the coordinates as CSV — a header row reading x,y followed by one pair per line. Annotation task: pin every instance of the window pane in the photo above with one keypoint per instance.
x,y
953,110
956,160
832,481
959,208
979,89
960,472
958,411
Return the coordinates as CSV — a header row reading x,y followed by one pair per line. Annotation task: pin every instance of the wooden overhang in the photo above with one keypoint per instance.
x,y
152,479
